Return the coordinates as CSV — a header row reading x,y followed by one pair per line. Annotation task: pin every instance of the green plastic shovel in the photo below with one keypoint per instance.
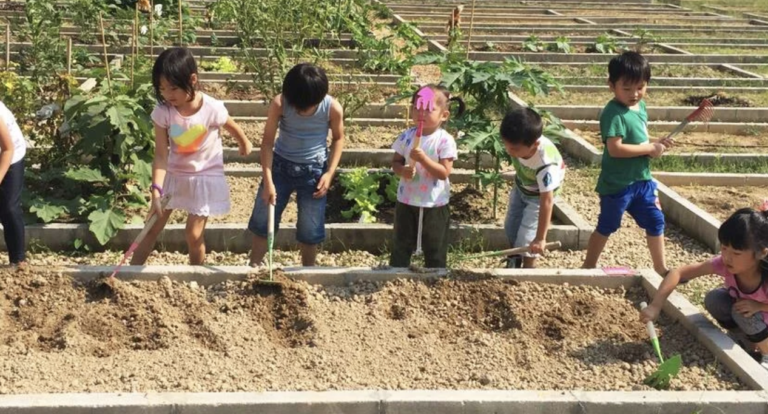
x,y
667,369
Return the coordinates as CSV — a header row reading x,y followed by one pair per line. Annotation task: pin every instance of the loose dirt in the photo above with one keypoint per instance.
x,y
718,99
721,202
470,332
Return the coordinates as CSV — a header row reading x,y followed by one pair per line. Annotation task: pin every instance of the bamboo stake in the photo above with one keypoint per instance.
x,y
135,43
7,47
106,58
181,24
471,26
69,56
151,30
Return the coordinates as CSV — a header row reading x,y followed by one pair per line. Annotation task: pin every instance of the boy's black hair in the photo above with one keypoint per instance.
x,y
446,93
305,86
522,126
630,66
746,229
176,65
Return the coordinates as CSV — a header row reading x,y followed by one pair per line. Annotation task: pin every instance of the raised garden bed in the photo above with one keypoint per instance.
x,y
689,142
654,98
462,332
657,69
720,201
355,136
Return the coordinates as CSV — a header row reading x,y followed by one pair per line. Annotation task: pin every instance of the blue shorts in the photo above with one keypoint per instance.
x,y
641,201
289,177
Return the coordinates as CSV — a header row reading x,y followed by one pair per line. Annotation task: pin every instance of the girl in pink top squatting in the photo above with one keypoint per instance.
x,y
741,305
189,157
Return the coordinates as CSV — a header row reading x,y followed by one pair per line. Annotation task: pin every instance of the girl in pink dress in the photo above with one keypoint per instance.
x,y
189,157
741,305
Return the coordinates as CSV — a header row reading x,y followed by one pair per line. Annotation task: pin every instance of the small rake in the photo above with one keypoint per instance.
x,y
667,369
425,101
147,226
702,114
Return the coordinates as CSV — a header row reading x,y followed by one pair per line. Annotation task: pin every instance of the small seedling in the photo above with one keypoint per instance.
x,y
533,44
561,45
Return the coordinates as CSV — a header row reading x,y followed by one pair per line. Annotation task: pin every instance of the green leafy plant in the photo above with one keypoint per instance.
x,y
102,160
489,47
533,44
645,38
605,43
223,64
393,182
561,45
40,26
361,187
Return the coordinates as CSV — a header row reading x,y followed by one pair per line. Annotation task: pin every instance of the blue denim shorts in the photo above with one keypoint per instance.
x,y
301,178
641,201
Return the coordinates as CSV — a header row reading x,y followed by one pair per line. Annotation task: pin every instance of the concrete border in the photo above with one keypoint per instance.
x,y
678,82
694,221
234,237
392,402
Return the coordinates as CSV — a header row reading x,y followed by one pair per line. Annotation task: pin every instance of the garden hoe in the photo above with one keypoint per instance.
x,y
425,101
509,252
270,248
668,369
151,222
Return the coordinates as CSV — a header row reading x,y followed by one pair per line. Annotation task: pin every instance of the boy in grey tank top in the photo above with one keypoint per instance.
x,y
299,160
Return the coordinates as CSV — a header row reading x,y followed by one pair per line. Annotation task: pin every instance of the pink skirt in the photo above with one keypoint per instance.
x,y
199,195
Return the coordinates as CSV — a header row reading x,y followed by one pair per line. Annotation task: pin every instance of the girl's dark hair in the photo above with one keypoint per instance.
x,y
447,94
305,86
176,65
630,66
746,229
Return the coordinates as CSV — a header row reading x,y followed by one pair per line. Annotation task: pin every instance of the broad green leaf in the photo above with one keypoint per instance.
x,y
86,174
46,211
105,224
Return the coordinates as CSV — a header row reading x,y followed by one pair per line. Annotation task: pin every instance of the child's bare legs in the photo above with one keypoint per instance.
x,y
258,250
656,247
145,248
529,262
308,254
195,239
595,248
720,305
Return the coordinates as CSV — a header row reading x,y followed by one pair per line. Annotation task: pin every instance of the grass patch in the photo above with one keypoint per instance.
x,y
674,163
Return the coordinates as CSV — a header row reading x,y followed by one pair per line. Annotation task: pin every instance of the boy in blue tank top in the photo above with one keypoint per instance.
x,y
298,160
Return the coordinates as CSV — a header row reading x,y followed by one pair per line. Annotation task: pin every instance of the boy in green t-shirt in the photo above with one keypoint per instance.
x,y
625,182
540,171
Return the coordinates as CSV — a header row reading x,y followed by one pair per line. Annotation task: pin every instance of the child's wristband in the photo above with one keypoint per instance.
x,y
158,188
